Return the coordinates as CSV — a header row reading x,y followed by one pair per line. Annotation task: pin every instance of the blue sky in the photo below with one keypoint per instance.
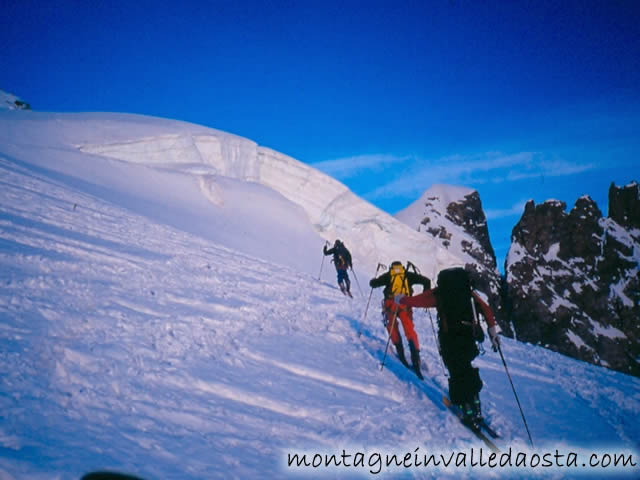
x,y
520,100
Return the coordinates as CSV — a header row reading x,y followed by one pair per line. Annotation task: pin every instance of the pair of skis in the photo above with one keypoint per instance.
x,y
346,292
483,430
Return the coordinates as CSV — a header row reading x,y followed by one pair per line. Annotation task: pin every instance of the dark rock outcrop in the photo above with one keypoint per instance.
x,y
469,215
572,279
454,216
624,207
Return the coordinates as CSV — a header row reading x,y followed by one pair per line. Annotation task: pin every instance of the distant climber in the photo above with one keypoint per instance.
x,y
342,262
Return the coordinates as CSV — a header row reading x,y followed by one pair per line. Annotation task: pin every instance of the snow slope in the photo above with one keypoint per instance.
x,y
171,324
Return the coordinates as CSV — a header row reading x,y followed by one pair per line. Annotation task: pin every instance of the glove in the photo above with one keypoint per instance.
x,y
495,339
398,297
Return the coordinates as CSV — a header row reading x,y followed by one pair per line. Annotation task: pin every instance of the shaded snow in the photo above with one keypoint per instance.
x,y
617,292
515,255
552,254
606,331
577,341
553,202
559,301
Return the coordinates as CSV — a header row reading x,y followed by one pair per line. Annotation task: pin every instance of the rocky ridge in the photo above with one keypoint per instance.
x,y
572,279
454,217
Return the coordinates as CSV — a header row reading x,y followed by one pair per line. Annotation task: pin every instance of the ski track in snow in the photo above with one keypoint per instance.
x,y
131,345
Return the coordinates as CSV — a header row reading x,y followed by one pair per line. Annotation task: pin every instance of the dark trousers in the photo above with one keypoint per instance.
x,y
343,276
458,350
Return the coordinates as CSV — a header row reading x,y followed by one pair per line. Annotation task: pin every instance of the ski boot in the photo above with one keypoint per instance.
x,y
415,360
477,408
471,413
400,351
468,416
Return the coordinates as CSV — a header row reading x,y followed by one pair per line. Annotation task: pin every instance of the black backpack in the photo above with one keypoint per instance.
x,y
342,256
455,303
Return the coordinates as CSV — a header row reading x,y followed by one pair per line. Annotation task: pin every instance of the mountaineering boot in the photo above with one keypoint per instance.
x,y
471,415
468,415
477,411
415,360
342,288
349,288
400,350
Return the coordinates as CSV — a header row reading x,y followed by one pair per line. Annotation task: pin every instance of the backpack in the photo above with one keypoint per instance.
x,y
340,262
455,307
341,256
399,284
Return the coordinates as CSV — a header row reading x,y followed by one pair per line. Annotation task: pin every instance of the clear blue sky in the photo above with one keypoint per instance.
x,y
518,99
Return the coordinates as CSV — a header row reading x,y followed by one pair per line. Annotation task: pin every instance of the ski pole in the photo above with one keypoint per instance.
x,y
322,263
476,325
393,324
516,395
435,337
367,307
357,282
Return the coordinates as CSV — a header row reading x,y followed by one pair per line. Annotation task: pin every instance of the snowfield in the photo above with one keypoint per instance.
x,y
162,315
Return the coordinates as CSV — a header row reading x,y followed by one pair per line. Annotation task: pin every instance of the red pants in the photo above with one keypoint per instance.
x,y
404,316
